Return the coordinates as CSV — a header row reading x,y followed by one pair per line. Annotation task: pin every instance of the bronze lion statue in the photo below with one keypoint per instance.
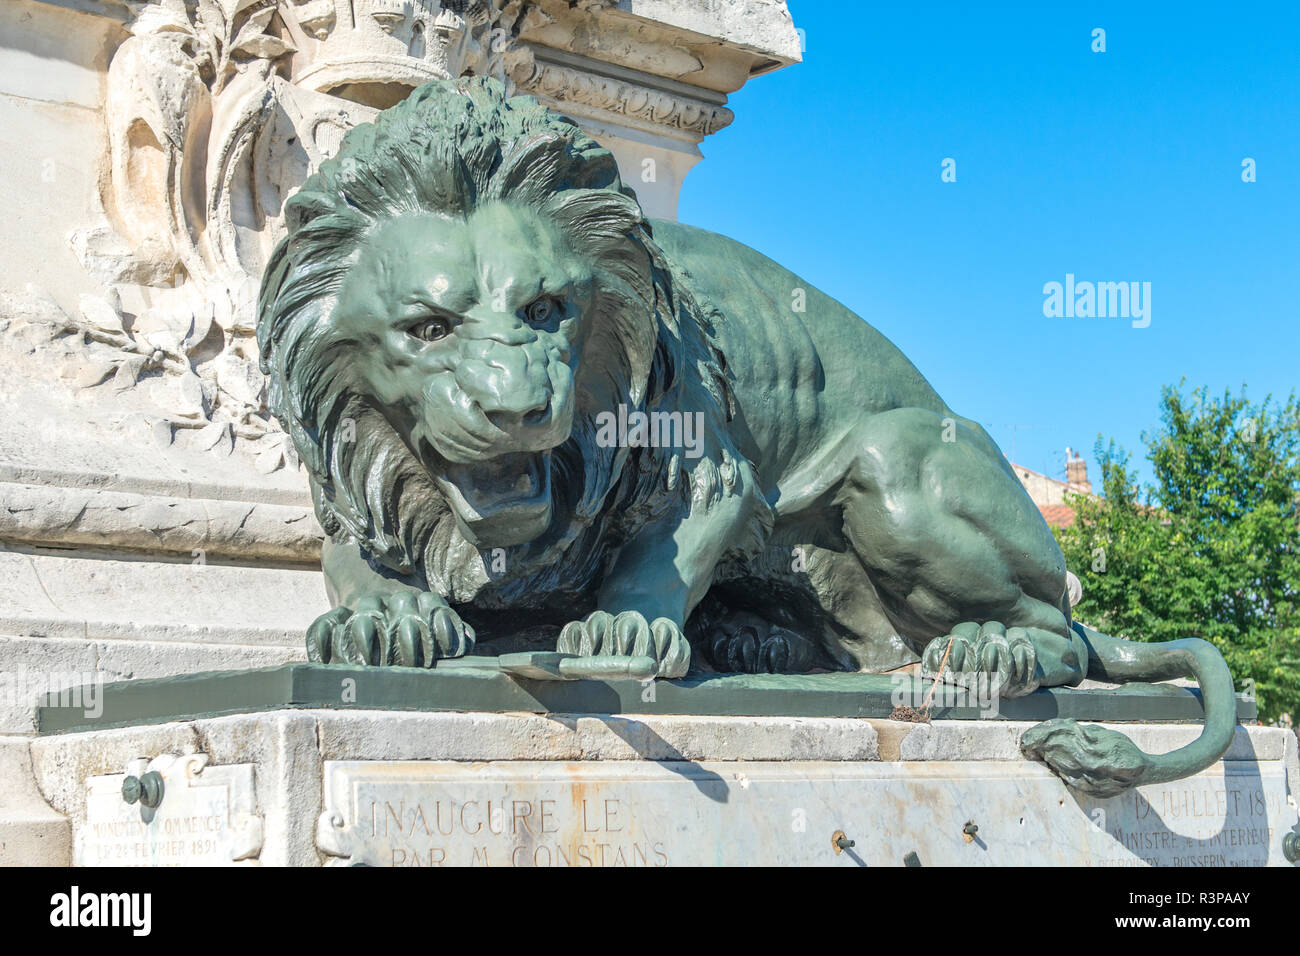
x,y
522,405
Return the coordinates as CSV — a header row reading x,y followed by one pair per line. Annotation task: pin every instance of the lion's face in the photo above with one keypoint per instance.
x,y
470,335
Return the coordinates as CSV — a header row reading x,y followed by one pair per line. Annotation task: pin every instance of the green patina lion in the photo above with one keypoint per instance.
x,y
522,404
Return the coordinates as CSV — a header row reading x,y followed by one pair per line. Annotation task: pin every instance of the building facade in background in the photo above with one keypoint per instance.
x,y
1049,493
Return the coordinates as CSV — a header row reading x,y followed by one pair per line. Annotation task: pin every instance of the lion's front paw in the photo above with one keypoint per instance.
x,y
1002,660
408,629
628,633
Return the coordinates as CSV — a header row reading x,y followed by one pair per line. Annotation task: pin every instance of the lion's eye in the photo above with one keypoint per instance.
x,y
430,330
542,311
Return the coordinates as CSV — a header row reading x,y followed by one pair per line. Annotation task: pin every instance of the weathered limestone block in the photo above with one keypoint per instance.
x,y
704,789
66,621
157,524
31,832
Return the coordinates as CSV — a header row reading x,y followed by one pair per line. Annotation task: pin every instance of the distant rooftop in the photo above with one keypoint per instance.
x,y
1049,493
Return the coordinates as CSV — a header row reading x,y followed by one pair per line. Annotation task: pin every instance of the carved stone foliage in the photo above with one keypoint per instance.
x,y
216,111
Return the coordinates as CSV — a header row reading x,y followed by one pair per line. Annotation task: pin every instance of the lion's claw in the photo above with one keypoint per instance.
x,y
407,629
1003,660
602,634
748,644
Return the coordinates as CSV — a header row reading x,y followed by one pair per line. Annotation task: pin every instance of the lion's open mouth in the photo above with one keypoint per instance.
x,y
502,501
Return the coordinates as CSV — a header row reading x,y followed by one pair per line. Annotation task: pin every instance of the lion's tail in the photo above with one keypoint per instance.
x,y
1104,762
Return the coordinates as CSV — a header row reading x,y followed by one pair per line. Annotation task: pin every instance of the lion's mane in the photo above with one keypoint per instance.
x,y
448,147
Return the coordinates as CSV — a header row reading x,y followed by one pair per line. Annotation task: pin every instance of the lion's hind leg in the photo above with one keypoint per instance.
x,y
963,561
795,608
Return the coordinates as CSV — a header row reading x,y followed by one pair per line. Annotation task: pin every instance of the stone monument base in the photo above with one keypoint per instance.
x,y
306,783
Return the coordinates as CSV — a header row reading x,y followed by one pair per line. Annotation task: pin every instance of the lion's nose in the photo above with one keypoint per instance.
x,y
516,412
504,382
507,393
509,384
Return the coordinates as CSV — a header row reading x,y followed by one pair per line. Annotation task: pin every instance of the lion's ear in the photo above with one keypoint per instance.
x,y
305,206
545,163
531,171
444,181
599,219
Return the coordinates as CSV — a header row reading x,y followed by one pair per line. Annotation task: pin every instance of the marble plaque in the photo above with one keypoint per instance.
x,y
207,817
553,813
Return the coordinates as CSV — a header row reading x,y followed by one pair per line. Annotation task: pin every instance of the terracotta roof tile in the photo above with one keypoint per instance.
x,y
1058,516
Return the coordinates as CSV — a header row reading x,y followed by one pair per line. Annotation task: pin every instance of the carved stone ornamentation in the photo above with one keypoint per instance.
x,y
216,110
659,109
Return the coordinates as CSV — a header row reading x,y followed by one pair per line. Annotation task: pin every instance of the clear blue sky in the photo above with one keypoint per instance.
x,y
1115,166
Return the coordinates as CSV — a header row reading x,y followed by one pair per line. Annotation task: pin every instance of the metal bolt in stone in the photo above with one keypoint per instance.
x,y
147,789
841,842
1291,847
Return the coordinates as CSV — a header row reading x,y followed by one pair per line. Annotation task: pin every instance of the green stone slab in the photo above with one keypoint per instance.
x,y
218,693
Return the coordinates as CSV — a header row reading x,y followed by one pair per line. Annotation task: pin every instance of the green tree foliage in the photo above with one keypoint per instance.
x,y
1212,549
